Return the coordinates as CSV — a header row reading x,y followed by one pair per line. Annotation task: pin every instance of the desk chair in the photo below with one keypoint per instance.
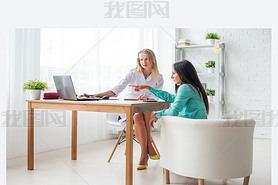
x,y
113,120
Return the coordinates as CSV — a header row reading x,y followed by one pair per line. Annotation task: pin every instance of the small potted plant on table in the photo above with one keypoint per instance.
x,y
34,87
211,37
210,65
210,93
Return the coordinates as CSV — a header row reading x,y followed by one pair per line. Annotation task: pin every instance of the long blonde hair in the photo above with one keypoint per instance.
x,y
153,61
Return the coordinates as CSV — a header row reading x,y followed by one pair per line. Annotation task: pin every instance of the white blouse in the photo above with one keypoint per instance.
x,y
137,78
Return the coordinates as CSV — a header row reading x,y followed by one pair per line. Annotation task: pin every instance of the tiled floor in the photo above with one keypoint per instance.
x,y
91,168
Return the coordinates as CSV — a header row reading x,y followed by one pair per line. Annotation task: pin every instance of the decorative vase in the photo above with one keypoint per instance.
x,y
211,69
211,41
35,94
211,98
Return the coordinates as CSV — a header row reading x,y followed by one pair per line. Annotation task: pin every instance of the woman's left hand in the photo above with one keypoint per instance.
x,y
142,97
153,119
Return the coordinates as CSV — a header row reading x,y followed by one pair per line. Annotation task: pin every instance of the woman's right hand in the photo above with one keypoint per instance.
x,y
139,87
86,95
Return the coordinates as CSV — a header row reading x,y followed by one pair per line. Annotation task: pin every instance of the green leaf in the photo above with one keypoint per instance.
x,y
212,36
210,92
210,63
35,85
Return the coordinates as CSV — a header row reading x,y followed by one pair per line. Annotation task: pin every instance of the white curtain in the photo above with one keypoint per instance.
x,y
4,32
24,58
53,127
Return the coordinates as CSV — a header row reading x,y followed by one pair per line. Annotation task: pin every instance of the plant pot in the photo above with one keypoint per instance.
x,y
211,69
211,41
34,94
211,98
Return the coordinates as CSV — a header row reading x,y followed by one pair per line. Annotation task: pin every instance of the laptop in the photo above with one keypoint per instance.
x,y
66,90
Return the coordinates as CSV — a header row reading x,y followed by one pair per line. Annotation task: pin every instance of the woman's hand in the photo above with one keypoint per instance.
x,y
153,120
142,97
86,95
139,87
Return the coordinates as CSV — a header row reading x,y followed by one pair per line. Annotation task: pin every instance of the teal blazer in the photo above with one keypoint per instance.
x,y
186,103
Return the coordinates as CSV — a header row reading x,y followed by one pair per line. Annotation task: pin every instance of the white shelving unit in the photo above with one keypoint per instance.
x,y
218,75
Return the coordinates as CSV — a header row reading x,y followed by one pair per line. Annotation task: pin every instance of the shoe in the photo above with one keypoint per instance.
x,y
155,157
142,166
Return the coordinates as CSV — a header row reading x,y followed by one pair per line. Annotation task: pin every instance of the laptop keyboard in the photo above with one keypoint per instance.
x,y
88,99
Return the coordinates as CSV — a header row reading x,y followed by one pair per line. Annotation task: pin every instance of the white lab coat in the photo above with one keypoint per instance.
x,y
137,78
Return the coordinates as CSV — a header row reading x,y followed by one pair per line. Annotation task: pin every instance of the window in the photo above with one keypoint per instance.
x,y
97,59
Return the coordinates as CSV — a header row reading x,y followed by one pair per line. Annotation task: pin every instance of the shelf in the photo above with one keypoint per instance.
x,y
195,46
209,74
221,45
217,78
220,102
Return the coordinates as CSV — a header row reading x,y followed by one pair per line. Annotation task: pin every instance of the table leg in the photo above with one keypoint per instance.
x,y
129,147
166,176
30,137
74,136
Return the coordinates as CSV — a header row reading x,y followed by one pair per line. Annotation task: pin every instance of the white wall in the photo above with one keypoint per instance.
x,y
248,71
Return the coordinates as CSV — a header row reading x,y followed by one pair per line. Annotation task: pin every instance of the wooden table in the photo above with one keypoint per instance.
x,y
116,106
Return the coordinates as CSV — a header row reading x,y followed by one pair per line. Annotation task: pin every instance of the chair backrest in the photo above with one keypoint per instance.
x,y
202,148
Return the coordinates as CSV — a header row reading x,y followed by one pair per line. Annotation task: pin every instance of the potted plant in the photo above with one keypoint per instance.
x,y
34,88
210,65
210,93
211,37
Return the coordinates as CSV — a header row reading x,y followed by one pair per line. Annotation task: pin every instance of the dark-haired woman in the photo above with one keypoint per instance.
x,y
189,102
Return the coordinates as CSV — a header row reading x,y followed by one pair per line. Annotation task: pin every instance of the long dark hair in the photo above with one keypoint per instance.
x,y
188,75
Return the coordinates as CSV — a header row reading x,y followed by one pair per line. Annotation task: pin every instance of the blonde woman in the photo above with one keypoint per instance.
x,y
146,73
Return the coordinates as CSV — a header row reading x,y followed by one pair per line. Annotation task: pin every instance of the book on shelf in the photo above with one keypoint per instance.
x,y
183,42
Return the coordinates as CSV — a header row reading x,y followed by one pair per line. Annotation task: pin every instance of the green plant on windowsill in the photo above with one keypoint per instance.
x,y
212,36
210,92
35,85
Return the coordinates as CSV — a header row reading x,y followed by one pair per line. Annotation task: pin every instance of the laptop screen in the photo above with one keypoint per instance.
x,y
65,87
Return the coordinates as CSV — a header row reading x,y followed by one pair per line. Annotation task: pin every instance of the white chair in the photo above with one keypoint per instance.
x,y
113,120
207,149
